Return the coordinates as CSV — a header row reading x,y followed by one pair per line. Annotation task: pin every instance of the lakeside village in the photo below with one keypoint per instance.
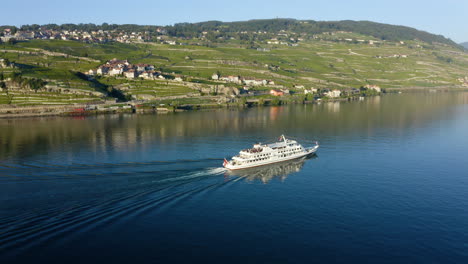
x,y
124,69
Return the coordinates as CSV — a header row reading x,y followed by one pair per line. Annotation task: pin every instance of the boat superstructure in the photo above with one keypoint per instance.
x,y
264,154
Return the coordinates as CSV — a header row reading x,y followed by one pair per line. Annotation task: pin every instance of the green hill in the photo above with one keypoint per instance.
x,y
292,53
378,30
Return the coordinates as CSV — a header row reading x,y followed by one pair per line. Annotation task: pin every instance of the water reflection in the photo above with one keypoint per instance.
x,y
22,138
333,107
267,173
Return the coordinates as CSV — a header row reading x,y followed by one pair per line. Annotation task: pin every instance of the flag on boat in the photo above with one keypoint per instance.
x,y
225,162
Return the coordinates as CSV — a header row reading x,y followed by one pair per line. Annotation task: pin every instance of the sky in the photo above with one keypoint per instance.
x,y
447,17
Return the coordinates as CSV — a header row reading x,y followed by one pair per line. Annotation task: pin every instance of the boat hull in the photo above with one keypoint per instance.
x,y
309,151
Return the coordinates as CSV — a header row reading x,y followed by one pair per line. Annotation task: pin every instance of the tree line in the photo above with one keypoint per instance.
x,y
18,79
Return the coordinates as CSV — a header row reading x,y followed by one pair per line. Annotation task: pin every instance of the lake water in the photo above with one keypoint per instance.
x,y
389,184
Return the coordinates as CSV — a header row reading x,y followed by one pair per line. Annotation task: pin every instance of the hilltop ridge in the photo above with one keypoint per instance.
x,y
378,30
265,26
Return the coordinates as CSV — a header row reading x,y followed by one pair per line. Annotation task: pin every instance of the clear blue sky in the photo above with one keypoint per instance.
x,y
447,17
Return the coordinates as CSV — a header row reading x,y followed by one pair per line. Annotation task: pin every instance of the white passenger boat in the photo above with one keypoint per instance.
x,y
264,154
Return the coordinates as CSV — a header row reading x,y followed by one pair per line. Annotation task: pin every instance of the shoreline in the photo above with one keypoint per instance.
x,y
148,107
68,111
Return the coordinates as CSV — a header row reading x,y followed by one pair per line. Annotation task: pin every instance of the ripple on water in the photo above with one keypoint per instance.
x,y
134,188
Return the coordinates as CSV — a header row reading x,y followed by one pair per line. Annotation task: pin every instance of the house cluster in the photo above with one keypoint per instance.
x,y
123,68
242,80
275,41
279,92
276,92
124,37
331,93
335,36
335,93
373,87
310,91
101,36
370,42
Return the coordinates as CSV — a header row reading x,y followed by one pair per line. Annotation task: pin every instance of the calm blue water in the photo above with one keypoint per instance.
x,y
389,184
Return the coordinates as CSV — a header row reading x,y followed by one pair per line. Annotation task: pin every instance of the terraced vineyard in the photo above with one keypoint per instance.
x,y
45,98
149,89
319,62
